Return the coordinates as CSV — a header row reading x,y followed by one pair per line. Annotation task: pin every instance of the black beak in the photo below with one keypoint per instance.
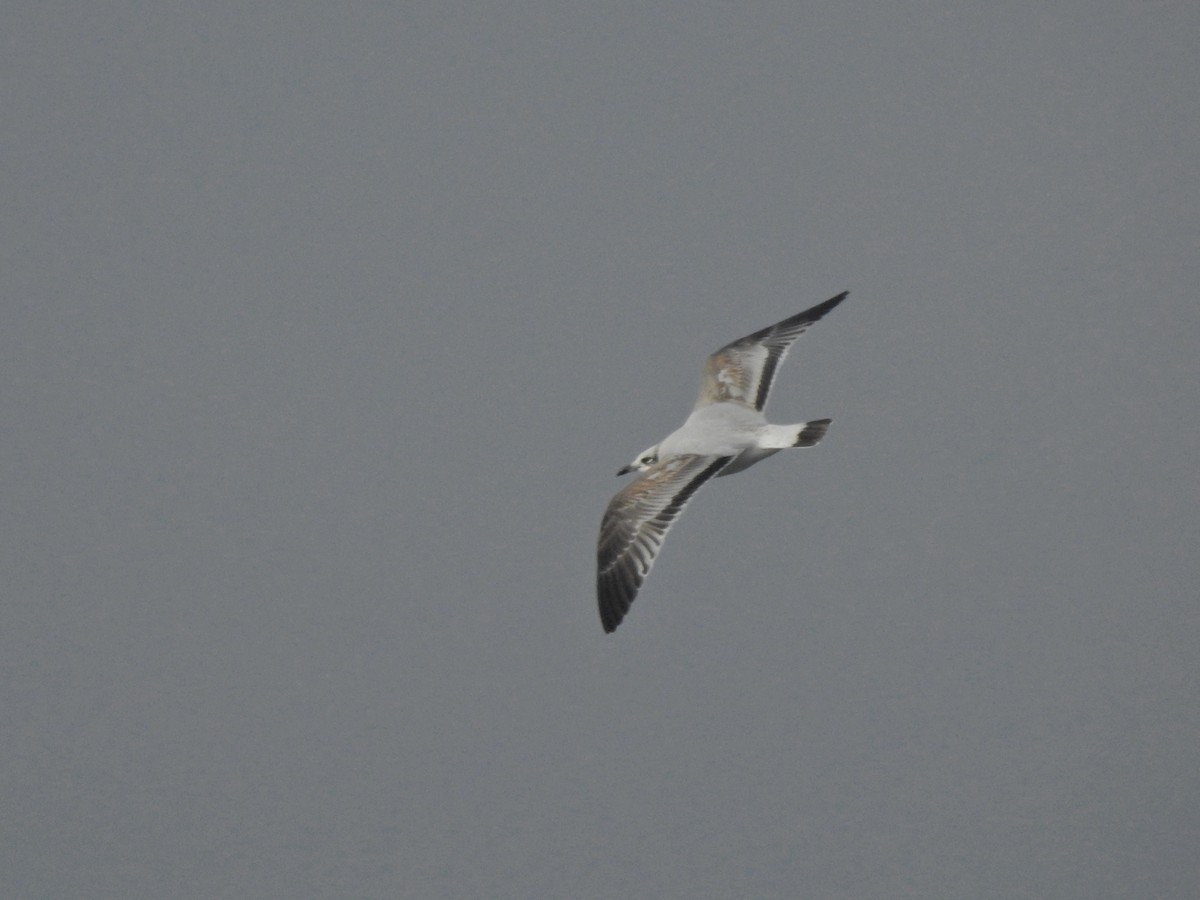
x,y
624,470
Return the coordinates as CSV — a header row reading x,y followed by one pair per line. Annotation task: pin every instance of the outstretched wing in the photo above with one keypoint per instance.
x,y
635,524
742,372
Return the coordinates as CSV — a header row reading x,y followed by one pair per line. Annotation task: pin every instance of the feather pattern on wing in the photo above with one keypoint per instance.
x,y
635,523
742,371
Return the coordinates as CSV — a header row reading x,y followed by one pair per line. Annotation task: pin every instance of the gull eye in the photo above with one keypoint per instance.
x,y
649,460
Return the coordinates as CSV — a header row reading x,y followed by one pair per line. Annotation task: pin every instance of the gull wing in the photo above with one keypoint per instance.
x,y
636,522
742,372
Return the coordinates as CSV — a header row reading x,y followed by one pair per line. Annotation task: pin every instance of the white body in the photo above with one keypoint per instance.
x,y
729,429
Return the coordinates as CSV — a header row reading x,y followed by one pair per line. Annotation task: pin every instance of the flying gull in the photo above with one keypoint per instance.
x,y
725,433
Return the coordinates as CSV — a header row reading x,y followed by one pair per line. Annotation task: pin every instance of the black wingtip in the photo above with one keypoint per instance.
x,y
831,302
610,617
815,313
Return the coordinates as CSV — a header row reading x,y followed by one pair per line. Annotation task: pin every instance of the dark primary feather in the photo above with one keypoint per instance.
x,y
635,523
730,373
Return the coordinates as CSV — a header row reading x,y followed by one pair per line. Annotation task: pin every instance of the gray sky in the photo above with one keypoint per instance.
x,y
327,326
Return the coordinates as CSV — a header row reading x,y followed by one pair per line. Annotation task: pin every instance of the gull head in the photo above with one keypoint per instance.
x,y
642,461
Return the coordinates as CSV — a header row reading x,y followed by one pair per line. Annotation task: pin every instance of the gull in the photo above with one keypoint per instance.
x,y
725,433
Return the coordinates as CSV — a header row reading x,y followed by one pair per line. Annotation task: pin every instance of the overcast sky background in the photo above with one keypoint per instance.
x,y
327,325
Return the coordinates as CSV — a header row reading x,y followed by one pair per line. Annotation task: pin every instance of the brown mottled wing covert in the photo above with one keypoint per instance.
x,y
741,372
635,523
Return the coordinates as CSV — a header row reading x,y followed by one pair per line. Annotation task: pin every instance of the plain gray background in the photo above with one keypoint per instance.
x,y
325,327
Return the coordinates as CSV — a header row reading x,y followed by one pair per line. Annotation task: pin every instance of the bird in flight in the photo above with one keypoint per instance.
x,y
725,433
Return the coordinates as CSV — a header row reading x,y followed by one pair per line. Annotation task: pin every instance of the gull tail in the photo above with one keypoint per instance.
x,y
811,432
803,434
